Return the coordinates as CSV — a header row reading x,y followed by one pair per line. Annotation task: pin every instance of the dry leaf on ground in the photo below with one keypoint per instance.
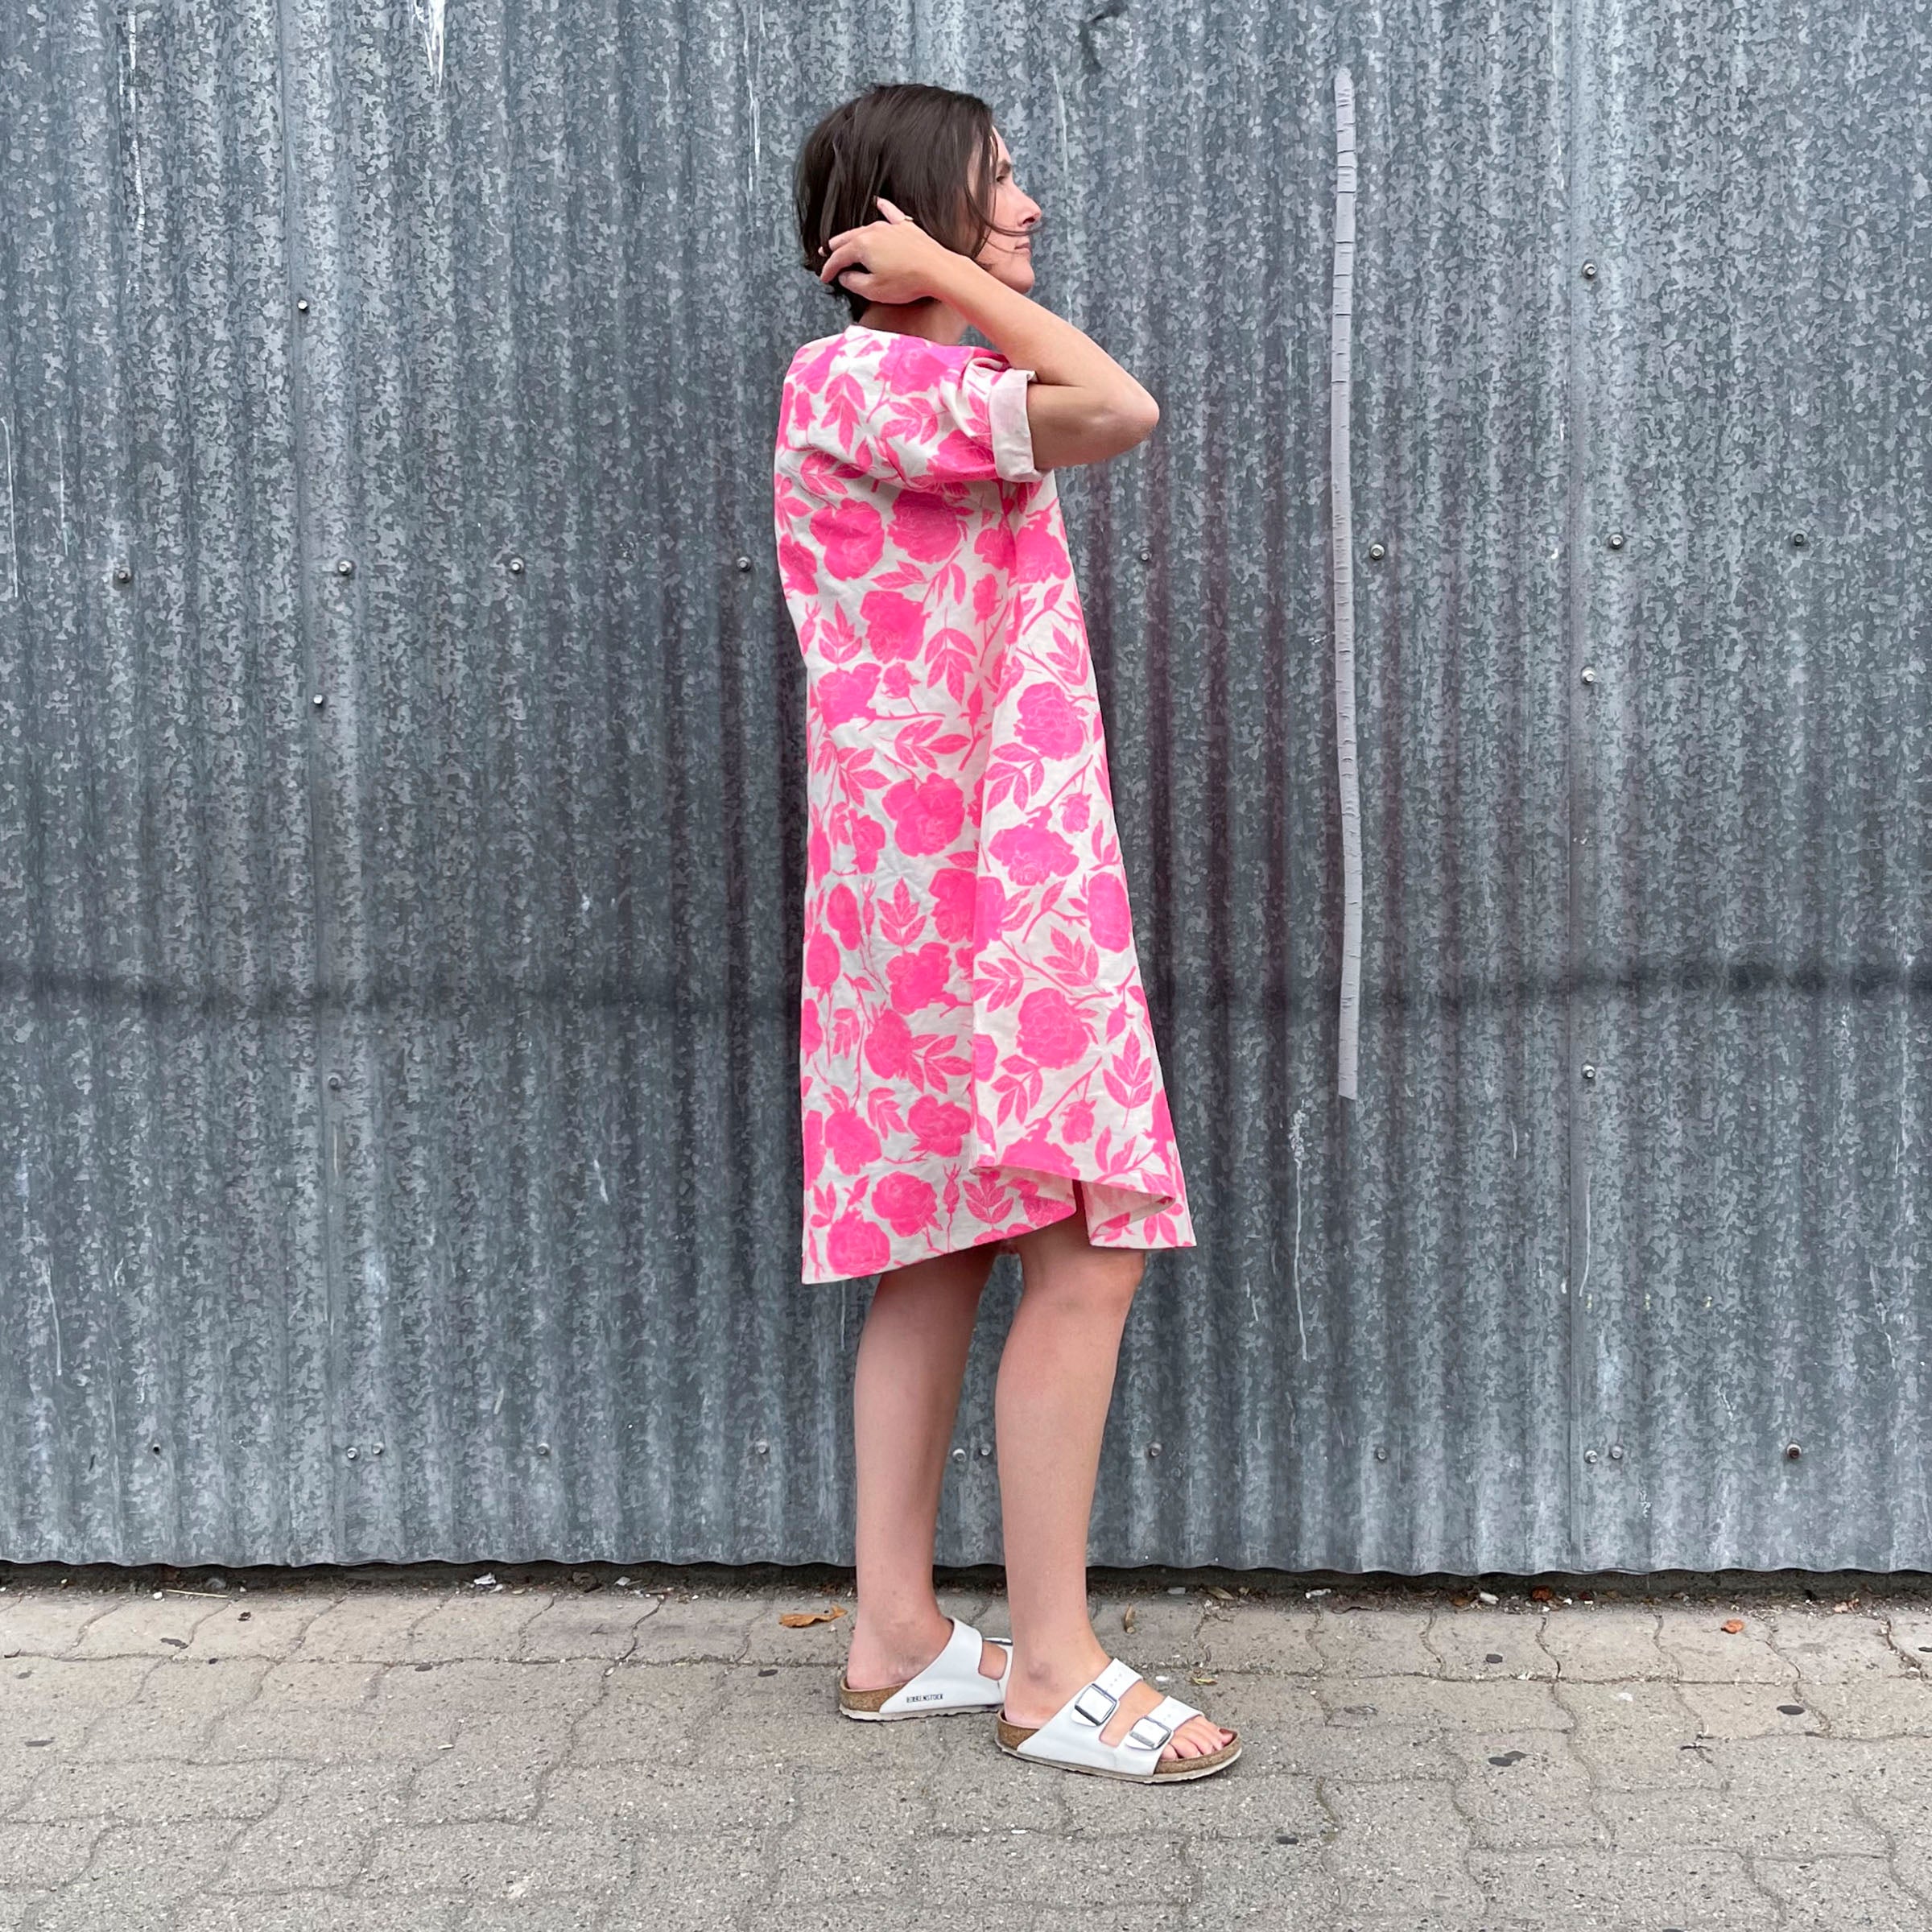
x,y
797,1620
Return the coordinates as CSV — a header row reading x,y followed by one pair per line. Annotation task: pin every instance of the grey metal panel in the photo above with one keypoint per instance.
x,y
1755,900
416,1073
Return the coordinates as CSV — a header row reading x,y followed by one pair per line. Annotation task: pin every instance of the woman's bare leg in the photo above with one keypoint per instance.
x,y
905,1398
1050,1408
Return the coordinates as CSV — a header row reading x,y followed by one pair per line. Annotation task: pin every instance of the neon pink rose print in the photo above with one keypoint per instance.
x,y
973,1035
849,536
888,1044
918,978
850,1141
927,813
855,1245
1049,723
904,1201
895,626
844,695
924,527
938,1127
1052,1033
1107,918
1031,853
842,915
953,892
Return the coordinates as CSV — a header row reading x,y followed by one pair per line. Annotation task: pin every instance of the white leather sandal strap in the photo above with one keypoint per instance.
x,y
951,1679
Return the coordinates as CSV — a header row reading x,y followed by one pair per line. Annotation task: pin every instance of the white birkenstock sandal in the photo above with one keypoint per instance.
x,y
953,1681
1071,1738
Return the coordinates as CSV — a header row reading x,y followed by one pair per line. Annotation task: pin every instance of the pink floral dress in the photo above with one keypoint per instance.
x,y
973,1033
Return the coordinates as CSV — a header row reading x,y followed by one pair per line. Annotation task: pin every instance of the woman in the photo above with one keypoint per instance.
x,y
978,1072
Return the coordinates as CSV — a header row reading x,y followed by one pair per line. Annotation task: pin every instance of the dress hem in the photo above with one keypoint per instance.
x,y
1158,1205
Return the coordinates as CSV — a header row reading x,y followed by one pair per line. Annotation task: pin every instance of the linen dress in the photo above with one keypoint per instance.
x,y
973,1033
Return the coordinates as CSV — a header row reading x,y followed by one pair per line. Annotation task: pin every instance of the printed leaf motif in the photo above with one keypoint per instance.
x,y
901,918
914,747
1130,1079
1001,982
882,1110
1073,961
845,1031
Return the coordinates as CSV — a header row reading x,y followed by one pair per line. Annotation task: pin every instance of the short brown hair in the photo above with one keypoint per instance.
x,y
916,145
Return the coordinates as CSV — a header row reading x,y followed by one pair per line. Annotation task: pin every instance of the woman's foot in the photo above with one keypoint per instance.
x,y
1038,1690
879,1658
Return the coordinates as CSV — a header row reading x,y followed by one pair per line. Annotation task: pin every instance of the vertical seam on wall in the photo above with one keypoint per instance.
x,y
1342,571
1576,1162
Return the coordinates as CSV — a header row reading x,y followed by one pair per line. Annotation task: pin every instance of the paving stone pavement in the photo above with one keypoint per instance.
x,y
554,1750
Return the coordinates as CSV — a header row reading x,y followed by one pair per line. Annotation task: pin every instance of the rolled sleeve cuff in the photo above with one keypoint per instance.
x,y
1012,433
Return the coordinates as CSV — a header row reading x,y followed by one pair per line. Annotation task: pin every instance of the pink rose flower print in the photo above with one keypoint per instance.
x,y
854,1246
798,567
924,527
842,915
844,695
811,1028
938,1127
1076,1123
1052,1033
1049,723
1108,919
1040,556
1037,1151
812,1132
822,961
919,975
868,842
927,813
952,898
905,1201
851,1140
895,626
1031,853
850,535
888,1045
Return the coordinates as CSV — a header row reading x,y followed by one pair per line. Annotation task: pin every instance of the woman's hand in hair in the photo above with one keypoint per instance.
x,y
896,260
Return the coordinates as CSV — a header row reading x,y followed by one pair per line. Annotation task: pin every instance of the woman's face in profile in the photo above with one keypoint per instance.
x,y
1008,258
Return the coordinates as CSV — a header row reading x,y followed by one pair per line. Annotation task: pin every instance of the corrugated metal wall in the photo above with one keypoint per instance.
x,y
400,739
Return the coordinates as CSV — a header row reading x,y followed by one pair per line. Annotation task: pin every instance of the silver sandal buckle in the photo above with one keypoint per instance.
x,y
1080,1708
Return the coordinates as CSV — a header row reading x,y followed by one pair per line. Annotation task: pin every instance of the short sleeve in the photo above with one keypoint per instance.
x,y
927,416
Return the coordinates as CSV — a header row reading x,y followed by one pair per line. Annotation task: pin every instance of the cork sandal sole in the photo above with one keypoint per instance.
x,y
1168,1771
864,1704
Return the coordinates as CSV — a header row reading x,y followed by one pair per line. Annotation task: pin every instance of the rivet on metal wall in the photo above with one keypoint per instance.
x,y
1616,540
1382,1455
1588,675
1590,1456
375,1448
1589,271
154,1448
959,1456
1153,1448
301,305
762,1448
350,1452
318,701
744,563
335,1083
1617,1452
1793,1451
1799,539
516,567
122,574
542,1448
1146,556
985,1448
344,567
1376,553
1589,1071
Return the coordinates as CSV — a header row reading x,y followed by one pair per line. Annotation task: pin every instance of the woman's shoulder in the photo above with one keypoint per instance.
x,y
893,357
